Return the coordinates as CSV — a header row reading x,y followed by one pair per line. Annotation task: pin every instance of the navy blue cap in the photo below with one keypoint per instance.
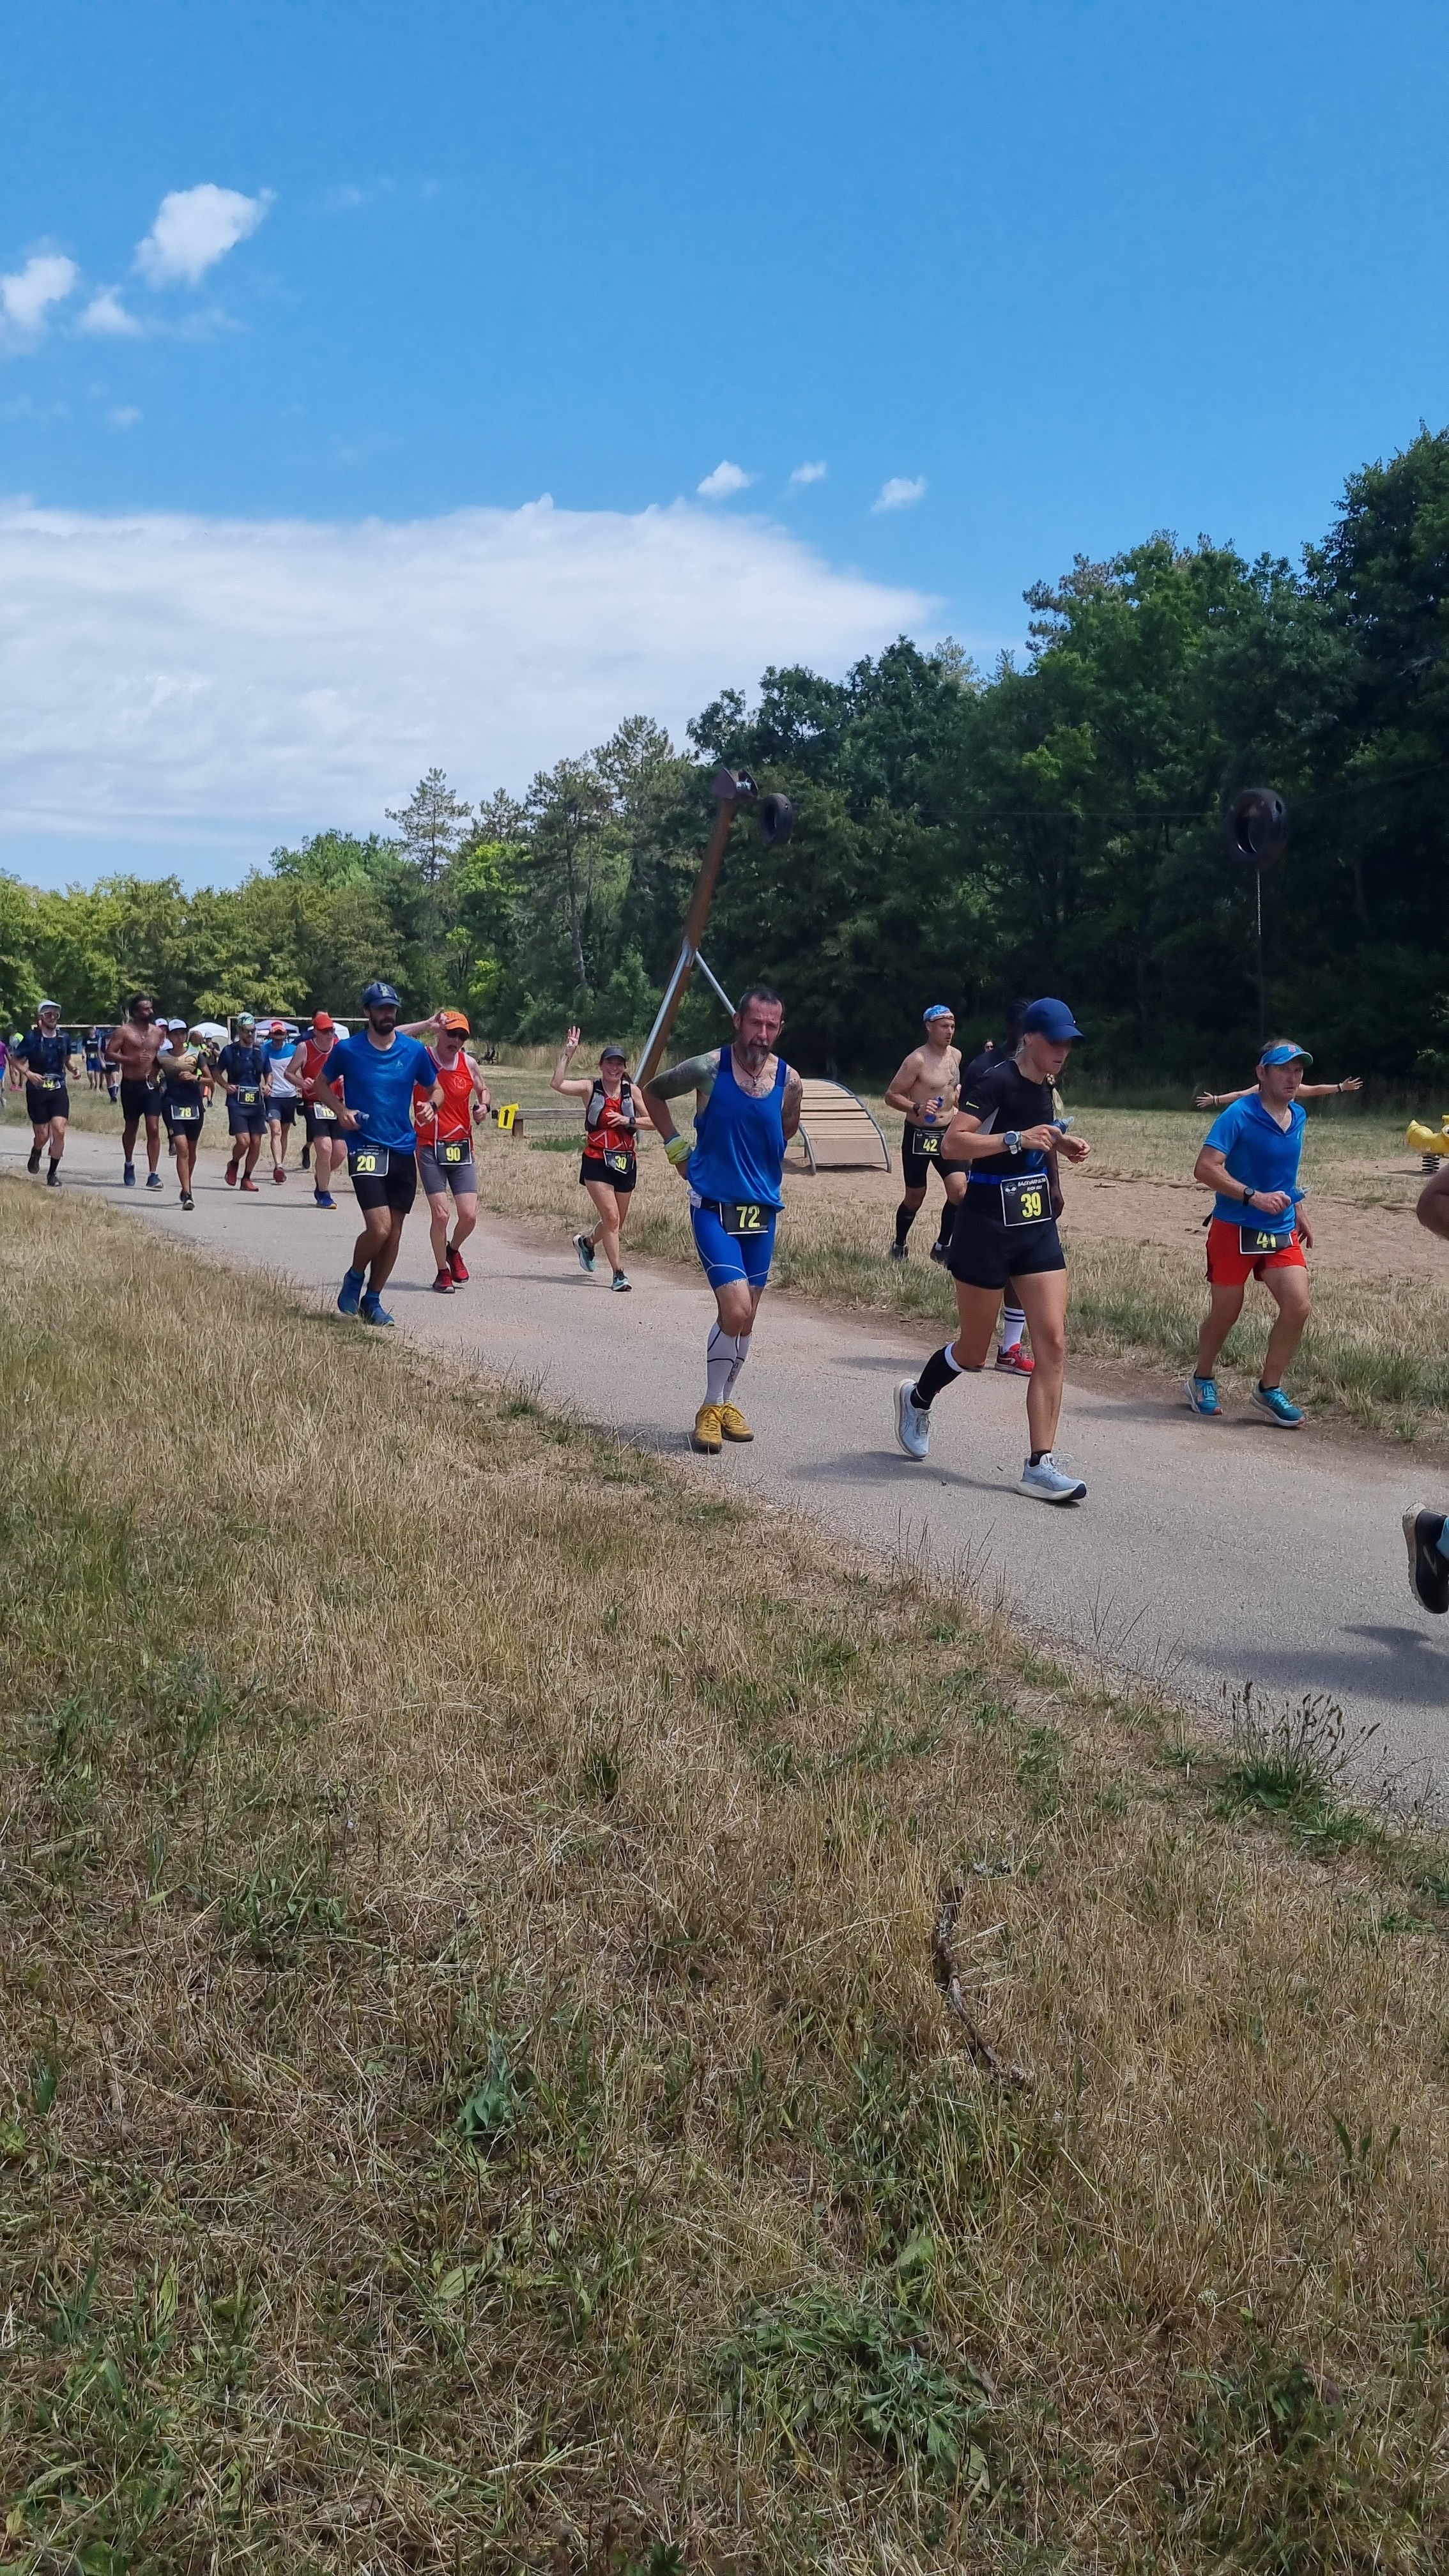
x,y
378,996
1049,1019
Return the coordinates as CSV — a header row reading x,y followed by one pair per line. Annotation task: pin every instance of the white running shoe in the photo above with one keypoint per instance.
x,y
1048,1484
913,1421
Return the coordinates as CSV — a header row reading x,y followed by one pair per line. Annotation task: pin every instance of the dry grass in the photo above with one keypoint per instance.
x,y
476,2094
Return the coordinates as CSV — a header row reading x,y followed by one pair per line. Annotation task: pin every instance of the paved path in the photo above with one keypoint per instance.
x,y
1206,1555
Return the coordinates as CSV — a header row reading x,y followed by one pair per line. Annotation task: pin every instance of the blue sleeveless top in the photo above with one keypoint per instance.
x,y
739,1142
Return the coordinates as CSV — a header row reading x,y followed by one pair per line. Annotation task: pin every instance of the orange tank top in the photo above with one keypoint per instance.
x,y
455,1117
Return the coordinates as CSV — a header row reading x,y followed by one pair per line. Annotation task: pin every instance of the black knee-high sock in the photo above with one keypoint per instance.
x,y
943,1230
939,1370
905,1219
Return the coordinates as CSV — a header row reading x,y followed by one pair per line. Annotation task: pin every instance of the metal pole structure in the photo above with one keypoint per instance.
x,y
694,925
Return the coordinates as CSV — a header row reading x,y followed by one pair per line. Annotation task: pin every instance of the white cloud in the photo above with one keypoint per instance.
x,y
124,416
725,479
194,228
902,492
106,315
815,473
28,293
204,688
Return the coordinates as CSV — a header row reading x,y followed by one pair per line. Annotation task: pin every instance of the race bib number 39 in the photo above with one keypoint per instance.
x,y
742,1216
1026,1200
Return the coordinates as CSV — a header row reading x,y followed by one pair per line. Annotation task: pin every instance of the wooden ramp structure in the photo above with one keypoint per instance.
x,y
837,1132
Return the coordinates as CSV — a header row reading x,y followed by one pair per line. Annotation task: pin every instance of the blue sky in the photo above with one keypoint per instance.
x,y
1047,278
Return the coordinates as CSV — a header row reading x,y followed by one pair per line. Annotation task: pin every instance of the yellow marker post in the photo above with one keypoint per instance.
x,y
506,1117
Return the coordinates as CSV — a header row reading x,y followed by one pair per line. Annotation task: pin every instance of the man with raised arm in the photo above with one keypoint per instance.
x,y
746,1109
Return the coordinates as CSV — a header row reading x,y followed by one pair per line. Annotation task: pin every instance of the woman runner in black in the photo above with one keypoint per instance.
x,y
1006,1231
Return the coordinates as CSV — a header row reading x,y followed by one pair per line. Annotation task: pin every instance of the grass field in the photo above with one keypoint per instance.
x,y
479,2084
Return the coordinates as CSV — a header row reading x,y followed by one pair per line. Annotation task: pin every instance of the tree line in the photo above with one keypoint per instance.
x,y
1055,824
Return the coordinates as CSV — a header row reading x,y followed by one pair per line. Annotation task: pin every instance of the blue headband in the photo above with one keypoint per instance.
x,y
939,1011
1286,1055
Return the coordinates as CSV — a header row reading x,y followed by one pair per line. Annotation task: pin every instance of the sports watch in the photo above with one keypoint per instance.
x,y
1013,1140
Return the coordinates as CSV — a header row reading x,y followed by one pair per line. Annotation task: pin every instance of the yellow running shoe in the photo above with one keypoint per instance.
x,y
708,1430
733,1424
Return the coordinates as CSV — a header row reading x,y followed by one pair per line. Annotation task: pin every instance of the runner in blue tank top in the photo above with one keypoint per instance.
x,y
747,1108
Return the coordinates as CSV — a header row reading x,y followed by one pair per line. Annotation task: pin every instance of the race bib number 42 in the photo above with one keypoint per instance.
x,y
928,1142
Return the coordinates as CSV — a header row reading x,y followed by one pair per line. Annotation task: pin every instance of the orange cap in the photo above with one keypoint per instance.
x,y
321,1019
455,1020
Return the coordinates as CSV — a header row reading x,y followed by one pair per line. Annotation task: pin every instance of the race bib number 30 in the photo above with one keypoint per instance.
x,y
742,1216
614,1161
1026,1200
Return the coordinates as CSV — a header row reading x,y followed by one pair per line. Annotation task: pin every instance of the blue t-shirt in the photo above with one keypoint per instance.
x,y
379,1084
1262,1156
47,1053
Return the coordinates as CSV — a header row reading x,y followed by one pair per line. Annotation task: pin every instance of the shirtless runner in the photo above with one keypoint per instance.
x,y
134,1047
925,1091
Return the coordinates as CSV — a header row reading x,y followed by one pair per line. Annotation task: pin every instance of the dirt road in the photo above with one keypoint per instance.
x,y
1205,1555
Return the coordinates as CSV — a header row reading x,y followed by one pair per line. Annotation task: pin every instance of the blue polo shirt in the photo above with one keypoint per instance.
x,y
1260,1155
379,1085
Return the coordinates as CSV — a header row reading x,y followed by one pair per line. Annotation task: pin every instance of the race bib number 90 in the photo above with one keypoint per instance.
x,y
452,1150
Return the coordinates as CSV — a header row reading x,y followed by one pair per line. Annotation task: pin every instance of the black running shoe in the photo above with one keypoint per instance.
x,y
1428,1570
32,1161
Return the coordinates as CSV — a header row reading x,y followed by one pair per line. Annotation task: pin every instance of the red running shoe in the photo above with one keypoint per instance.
x,y
231,1176
456,1264
250,1185
443,1285
1016,1362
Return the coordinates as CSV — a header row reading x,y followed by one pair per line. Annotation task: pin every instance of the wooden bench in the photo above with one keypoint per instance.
x,y
837,1133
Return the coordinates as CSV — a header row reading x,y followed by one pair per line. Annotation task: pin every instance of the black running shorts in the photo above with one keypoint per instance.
x,y
985,1253
916,1165
592,1169
322,1131
138,1100
396,1188
42,1106
284,1111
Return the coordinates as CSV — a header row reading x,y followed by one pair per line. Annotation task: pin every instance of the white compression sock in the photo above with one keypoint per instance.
x,y
1013,1325
742,1353
723,1359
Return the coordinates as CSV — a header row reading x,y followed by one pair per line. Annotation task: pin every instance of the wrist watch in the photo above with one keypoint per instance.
x,y
1013,1140
1248,1197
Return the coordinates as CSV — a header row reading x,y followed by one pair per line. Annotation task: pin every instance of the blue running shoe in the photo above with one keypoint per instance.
x,y
374,1311
349,1295
1202,1395
1272,1401
153,1181
324,1198
128,1175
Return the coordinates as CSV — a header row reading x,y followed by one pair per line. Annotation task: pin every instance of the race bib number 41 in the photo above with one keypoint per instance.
x,y
1255,1240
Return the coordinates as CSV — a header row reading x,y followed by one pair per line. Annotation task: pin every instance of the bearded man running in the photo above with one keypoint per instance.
x,y
746,1109
133,1048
